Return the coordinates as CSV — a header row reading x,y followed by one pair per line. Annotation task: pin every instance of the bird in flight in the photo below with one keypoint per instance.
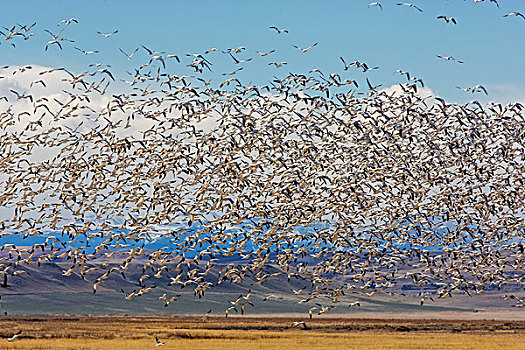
x,y
409,5
51,42
213,49
151,52
15,336
173,56
265,53
271,296
27,28
346,66
129,56
279,31
86,52
477,88
449,58
158,58
376,4
109,34
67,21
447,19
300,323
228,310
277,65
422,301
206,315
403,73
304,50
494,1
19,96
517,14
237,61
159,343
237,50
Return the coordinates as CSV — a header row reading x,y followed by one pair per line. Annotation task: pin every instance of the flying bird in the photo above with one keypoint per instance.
x,y
67,21
129,56
279,31
53,42
271,296
409,5
213,49
346,66
158,342
305,50
237,61
173,56
278,65
4,283
151,52
265,53
206,315
231,308
20,96
86,52
422,301
447,19
517,14
407,74
494,1
376,4
300,323
477,88
158,58
449,58
311,310
26,28
109,34
15,336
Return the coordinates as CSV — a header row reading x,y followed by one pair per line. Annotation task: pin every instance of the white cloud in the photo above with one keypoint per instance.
x,y
397,90
40,98
505,93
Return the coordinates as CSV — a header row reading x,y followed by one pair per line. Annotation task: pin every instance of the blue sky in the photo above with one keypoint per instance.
x,y
397,37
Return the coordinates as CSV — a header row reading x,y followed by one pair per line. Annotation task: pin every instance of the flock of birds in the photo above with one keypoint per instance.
x,y
313,174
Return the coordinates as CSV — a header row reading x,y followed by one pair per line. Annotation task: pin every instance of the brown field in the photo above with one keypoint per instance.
x,y
117,332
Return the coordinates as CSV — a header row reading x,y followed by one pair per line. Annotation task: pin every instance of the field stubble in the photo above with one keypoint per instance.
x,y
257,333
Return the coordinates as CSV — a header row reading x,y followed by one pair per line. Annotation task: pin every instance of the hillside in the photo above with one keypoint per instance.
x,y
46,290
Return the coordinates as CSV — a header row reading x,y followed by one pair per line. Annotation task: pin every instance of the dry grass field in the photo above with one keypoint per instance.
x,y
257,333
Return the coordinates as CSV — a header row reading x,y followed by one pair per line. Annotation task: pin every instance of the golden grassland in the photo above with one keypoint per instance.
x,y
257,333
